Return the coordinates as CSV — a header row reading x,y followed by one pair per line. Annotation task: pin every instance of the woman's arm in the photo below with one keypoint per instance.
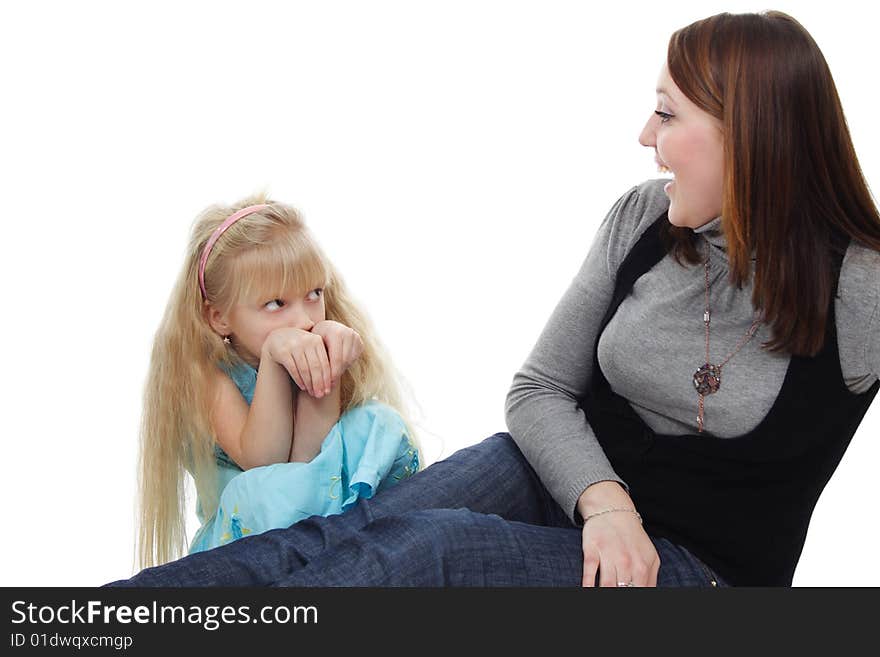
x,y
858,317
873,348
542,410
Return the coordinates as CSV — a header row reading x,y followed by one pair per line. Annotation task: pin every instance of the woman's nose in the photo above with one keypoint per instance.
x,y
646,138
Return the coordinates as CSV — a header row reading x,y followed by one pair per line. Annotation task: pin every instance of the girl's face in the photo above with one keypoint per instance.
x,y
688,141
249,324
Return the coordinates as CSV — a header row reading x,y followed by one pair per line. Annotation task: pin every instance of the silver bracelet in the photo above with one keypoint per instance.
x,y
599,513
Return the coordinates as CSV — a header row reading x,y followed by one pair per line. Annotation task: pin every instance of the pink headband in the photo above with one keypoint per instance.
x,y
216,236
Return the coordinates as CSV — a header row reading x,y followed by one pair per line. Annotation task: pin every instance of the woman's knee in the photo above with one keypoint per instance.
x,y
443,546
439,531
427,521
498,452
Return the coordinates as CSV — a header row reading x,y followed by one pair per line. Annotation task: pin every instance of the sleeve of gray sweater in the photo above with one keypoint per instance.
x,y
542,411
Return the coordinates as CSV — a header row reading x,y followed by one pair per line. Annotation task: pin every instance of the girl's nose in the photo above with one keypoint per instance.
x,y
300,319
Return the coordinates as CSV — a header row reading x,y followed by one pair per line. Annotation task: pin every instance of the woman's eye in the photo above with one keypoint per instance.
x,y
274,304
315,294
664,117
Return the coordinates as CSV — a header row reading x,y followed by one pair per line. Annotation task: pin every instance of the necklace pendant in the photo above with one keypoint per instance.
x,y
707,379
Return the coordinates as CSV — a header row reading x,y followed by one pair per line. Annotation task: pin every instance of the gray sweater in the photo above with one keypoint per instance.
x,y
654,343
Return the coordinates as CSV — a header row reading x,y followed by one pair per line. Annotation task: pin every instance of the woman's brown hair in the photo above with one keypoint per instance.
x,y
793,188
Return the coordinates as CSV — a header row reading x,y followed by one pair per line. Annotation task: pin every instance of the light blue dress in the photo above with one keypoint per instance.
x,y
367,450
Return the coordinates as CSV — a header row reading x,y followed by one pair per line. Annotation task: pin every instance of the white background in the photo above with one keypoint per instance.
x,y
453,158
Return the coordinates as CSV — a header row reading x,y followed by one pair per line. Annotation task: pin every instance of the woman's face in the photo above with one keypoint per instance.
x,y
688,141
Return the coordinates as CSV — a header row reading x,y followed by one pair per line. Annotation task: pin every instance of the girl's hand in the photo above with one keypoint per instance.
x,y
616,545
303,355
344,346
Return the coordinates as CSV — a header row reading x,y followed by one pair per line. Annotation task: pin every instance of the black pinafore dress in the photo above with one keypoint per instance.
x,y
741,504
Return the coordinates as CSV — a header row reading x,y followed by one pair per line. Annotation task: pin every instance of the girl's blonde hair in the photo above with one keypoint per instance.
x,y
265,253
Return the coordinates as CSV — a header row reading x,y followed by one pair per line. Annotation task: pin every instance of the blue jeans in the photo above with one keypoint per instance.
x,y
478,518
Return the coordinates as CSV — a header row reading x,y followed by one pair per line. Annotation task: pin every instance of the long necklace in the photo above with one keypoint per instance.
x,y
707,379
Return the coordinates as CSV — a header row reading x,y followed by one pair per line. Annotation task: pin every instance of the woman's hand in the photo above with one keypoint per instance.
x,y
344,346
303,355
614,543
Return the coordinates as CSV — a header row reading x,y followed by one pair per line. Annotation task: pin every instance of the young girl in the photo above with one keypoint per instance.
x,y
266,384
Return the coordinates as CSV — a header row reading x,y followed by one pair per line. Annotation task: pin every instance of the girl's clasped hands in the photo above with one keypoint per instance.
x,y
315,359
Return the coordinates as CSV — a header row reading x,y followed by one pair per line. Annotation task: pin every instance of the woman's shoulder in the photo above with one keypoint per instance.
x,y
860,272
652,202
652,195
858,296
630,216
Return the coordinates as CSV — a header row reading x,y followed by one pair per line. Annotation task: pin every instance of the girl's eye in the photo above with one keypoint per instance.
x,y
664,117
276,304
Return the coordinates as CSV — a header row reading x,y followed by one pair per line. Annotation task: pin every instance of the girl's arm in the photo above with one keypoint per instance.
x,y
314,419
316,416
260,434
